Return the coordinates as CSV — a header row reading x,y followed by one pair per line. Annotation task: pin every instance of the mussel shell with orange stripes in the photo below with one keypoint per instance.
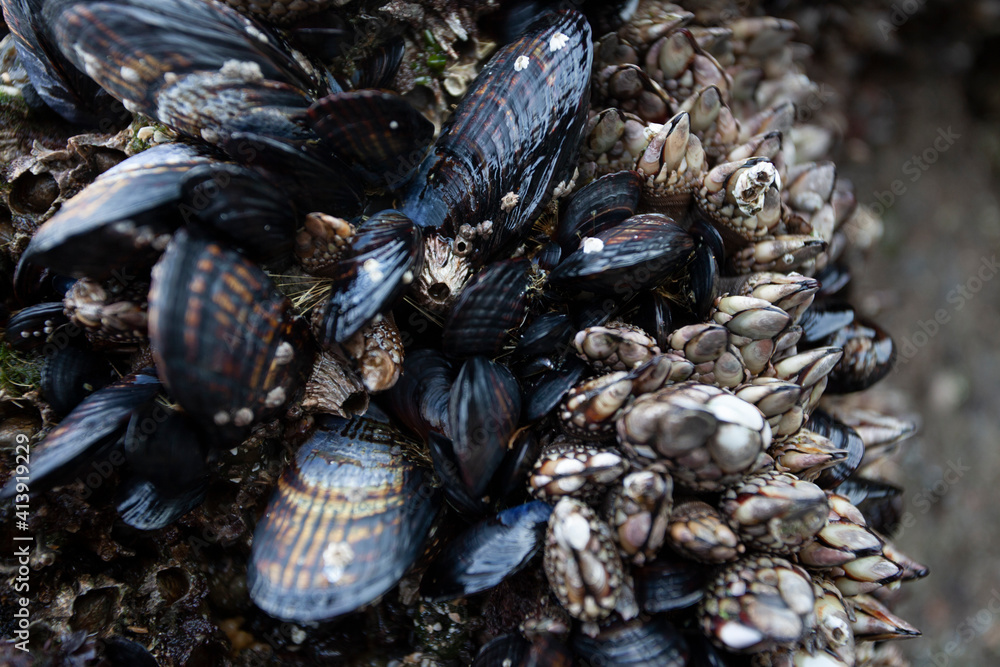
x,y
348,518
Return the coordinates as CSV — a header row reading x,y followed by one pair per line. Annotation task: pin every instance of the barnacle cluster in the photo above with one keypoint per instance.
x,y
555,373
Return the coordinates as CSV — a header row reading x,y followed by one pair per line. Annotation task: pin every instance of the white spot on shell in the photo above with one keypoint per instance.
x,y
558,41
275,397
372,266
130,74
284,353
521,63
408,277
221,418
241,69
509,201
336,557
242,417
591,244
209,135
393,125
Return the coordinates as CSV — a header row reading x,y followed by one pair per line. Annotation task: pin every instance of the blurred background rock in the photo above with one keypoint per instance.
x,y
914,72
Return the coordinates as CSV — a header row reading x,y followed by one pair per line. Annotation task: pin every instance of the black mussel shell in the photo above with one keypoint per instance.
x,y
64,88
503,651
869,355
548,256
843,437
668,583
235,205
511,139
548,334
143,505
72,373
123,219
313,179
637,254
226,342
513,650
491,304
545,393
652,642
379,68
199,67
598,206
386,252
378,131
881,503
124,653
708,235
593,313
512,475
442,453
88,432
834,280
706,654
701,284
653,314
420,397
488,552
483,411
349,517
166,447
30,327
822,321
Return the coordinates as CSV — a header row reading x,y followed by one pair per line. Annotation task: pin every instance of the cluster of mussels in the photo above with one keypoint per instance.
x,y
601,325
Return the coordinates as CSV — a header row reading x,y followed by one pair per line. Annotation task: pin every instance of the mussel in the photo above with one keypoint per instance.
x,y
348,518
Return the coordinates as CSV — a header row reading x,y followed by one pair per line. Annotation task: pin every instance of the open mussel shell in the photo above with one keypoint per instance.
x,y
198,67
61,86
637,254
72,373
488,552
313,179
512,138
386,251
242,209
123,219
634,643
491,304
88,432
597,206
483,411
226,342
377,131
348,518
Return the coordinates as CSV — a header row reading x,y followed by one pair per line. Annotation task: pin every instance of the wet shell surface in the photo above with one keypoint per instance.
x,y
348,517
